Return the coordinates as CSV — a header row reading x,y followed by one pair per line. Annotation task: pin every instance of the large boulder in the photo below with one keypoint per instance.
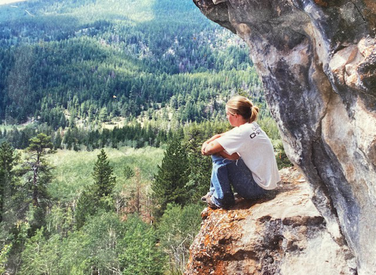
x,y
317,62
284,234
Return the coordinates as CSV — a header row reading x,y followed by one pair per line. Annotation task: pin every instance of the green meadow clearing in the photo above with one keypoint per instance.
x,y
73,170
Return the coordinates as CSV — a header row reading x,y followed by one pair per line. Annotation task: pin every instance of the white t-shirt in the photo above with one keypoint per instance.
x,y
256,150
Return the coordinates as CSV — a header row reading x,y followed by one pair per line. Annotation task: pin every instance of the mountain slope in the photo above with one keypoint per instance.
x,y
79,56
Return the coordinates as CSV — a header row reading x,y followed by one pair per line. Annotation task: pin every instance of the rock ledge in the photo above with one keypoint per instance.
x,y
284,234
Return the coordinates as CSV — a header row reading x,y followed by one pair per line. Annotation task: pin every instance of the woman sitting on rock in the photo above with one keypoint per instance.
x,y
242,157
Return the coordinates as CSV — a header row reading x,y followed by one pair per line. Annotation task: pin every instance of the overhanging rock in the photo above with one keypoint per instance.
x,y
317,62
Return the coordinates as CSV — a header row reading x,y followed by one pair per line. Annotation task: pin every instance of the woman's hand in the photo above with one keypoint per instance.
x,y
203,147
211,148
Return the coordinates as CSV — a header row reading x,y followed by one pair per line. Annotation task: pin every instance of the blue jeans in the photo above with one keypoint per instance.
x,y
235,173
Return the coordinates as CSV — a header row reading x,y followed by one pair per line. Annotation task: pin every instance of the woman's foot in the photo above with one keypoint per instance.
x,y
204,198
211,203
208,199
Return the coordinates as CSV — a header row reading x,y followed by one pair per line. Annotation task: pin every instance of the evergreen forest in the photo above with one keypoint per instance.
x,y
104,106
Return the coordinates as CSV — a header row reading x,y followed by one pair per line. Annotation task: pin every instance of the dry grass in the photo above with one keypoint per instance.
x,y
73,170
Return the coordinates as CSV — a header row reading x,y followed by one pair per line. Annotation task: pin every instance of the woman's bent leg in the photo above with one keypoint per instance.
x,y
243,182
222,194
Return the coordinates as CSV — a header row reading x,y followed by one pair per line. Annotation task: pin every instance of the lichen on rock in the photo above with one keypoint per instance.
x,y
282,234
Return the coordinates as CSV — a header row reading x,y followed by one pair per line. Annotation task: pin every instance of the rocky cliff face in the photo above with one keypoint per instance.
x,y
317,61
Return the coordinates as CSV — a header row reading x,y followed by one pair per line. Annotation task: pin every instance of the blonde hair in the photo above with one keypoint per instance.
x,y
242,106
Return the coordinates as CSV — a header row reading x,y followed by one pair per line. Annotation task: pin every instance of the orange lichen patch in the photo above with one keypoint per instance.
x,y
321,3
220,269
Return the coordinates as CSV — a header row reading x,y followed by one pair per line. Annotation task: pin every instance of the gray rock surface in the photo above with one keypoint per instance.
x,y
284,234
317,62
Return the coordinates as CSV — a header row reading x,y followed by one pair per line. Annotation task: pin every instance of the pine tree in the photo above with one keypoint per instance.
x,y
39,146
98,196
7,161
139,253
170,181
37,173
104,181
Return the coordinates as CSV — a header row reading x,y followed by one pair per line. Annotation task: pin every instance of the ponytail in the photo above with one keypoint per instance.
x,y
244,107
254,114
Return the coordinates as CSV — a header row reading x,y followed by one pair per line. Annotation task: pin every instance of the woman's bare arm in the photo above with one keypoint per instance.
x,y
212,146
234,156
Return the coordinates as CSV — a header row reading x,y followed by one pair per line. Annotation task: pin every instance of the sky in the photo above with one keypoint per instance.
x,y
4,2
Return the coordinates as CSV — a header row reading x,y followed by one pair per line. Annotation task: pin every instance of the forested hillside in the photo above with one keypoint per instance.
x,y
104,106
95,60
85,63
